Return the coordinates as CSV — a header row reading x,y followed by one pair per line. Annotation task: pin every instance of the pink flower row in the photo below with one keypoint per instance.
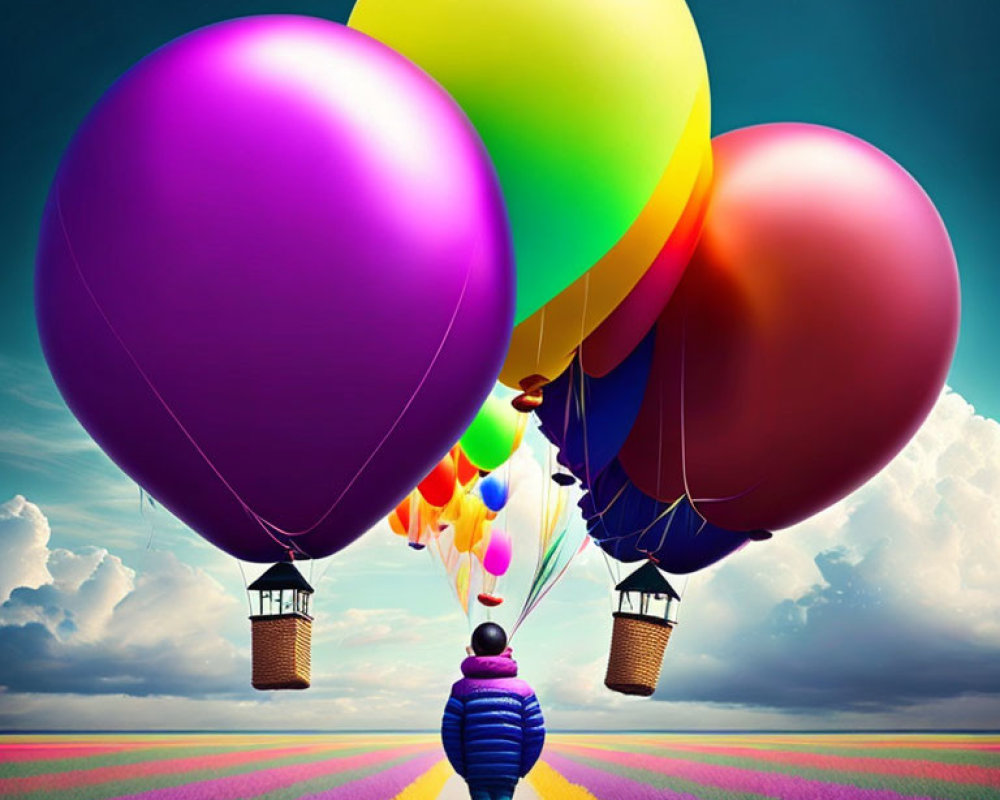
x,y
736,779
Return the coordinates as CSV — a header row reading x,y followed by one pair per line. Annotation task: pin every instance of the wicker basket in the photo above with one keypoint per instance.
x,y
637,646
282,647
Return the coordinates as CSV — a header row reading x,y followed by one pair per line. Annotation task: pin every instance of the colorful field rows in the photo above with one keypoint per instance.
x,y
573,767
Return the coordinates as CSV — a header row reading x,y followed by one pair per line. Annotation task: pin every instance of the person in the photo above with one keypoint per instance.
x,y
492,729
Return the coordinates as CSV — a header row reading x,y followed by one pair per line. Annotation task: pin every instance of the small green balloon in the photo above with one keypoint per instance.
x,y
493,435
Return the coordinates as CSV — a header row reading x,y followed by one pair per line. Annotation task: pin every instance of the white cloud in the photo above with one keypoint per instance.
x,y
889,598
24,539
885,603
82,621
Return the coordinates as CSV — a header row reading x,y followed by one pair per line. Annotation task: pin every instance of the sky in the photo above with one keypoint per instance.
x,y
881,612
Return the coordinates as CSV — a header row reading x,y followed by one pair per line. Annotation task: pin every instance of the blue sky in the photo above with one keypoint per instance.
x,y
881,612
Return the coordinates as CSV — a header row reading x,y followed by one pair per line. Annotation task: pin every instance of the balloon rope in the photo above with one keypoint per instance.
x,y
736,496
135,363
568,404
668,510
543,508
666,530
583,418
551,584
246,588
399,418
541,334
543,511
687,488
149,521
326,569
583,310
641,531
607,563
266,524
659,422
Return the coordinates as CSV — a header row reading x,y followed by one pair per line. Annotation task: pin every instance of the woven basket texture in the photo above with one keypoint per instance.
x,y
637,647
282,648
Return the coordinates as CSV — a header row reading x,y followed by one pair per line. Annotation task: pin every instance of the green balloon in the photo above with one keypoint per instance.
x,y
491,438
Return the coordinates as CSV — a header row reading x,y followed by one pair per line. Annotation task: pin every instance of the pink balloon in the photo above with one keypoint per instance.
x,y
496,560
809,338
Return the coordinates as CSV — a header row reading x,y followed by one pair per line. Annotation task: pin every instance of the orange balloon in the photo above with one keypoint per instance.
x,y
396,525
402,513
464,468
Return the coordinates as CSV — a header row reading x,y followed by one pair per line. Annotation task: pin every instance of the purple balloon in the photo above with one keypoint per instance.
x,y
275,280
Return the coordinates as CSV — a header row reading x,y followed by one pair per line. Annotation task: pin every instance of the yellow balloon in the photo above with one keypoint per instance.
x,y
469,526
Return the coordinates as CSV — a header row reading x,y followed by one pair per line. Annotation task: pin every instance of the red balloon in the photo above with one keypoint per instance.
x,y
466,471
809,338
439,486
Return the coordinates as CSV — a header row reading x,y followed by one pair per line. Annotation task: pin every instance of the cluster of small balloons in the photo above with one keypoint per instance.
x,y
284,262
454,508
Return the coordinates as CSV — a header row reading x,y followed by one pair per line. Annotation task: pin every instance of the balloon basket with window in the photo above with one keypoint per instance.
x,y
281,629
640,635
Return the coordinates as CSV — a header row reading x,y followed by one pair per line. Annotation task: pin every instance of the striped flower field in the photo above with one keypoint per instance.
x,y
573,767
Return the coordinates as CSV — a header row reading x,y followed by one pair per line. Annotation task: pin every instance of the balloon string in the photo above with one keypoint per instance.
x,y
550,585
246,588
267,526
399,418
583,419
611,574
659,433
568,404
135,363
640,532
599,514
684,475
583,309
736,496
663,536
687,489
541,334
543,518
149,521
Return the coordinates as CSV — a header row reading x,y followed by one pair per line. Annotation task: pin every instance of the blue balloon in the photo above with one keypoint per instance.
x,y
495,491
588,419
629,525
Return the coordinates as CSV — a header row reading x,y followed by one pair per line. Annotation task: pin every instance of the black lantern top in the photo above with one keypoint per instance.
x,y
281,576
280,592
648,580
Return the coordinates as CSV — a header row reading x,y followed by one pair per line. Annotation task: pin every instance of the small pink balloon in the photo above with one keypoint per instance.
x,y
496,560
809,338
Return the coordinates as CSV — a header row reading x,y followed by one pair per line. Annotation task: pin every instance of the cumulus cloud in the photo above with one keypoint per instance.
x,y
355,627
886,600
24,539
81,621
882,611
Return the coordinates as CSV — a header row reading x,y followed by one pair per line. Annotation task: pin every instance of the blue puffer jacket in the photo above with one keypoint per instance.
x,y
493,729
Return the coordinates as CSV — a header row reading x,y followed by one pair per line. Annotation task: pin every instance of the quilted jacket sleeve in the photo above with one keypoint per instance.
x,y
451,733
533,726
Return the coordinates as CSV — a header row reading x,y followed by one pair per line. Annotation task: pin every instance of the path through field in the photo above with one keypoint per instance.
x,y
455,789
